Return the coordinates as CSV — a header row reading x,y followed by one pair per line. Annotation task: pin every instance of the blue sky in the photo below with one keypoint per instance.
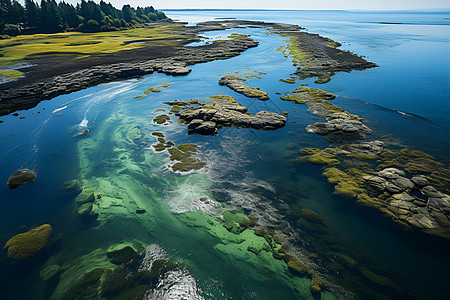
x,y
290,4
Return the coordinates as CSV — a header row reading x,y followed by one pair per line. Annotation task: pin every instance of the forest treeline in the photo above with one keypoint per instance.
x,y
87,16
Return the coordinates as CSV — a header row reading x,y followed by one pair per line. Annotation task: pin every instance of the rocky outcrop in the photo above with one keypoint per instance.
x,y
225,111
236,84
24,245
341,126
21,177
414,201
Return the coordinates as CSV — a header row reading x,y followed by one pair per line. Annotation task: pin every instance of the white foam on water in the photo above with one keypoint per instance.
x,y
177,284
59,109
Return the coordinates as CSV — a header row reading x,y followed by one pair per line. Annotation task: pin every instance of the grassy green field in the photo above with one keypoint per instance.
x,y
17,49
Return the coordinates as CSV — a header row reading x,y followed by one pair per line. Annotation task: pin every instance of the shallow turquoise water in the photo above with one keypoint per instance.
x,y
246,168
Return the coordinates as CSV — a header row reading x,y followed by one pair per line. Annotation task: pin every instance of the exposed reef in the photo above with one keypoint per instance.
x,y
317,56
405,193
24,245
341,126
236,84
21,177
225,112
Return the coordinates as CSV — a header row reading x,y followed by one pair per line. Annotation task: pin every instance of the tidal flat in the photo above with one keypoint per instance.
x,y
155,178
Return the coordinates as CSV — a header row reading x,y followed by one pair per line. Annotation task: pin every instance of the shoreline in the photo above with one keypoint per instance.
x,y
62,76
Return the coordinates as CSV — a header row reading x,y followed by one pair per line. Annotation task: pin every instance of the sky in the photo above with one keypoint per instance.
x,y
284,4
288,4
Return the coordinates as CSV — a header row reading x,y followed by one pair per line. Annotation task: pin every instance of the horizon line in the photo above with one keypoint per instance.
x,y
285,9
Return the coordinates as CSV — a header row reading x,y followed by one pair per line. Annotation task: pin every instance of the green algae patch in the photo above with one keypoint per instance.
x,y
293,50
348,184
24,245
11,74
316,93
232,221
323,79
318,157
185,159
289,80
161,119
162,143
238,36
158,89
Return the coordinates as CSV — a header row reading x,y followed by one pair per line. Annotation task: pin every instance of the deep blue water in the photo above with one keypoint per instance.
x,y
413,77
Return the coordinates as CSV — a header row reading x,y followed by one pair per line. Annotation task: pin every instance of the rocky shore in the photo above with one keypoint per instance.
x,y
24,97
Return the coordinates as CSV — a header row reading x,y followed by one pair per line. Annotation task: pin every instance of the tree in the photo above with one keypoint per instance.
x,y
50,17
32,14
127,14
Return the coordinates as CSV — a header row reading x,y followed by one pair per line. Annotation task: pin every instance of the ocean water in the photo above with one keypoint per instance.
x,y
406,97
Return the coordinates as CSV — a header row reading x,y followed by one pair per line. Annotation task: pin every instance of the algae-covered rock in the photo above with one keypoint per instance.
x,y
347,184
49,272
297,266
122,255
161,119
318,157
86,195
235,83
315,286
312,216
226,112
21,177
378,279
85,209
24,245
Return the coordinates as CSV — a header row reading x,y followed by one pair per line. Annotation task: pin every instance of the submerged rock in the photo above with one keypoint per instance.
x,y
24,245
71,186
85,209
21,177
122,255
49,272
86,195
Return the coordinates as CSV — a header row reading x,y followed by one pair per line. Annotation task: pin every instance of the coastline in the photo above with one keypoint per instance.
x,y
60,78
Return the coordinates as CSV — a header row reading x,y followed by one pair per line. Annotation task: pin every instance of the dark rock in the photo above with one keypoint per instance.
x,y
420,181
140,211
431,192
404,183
202,127
122,255
21,177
